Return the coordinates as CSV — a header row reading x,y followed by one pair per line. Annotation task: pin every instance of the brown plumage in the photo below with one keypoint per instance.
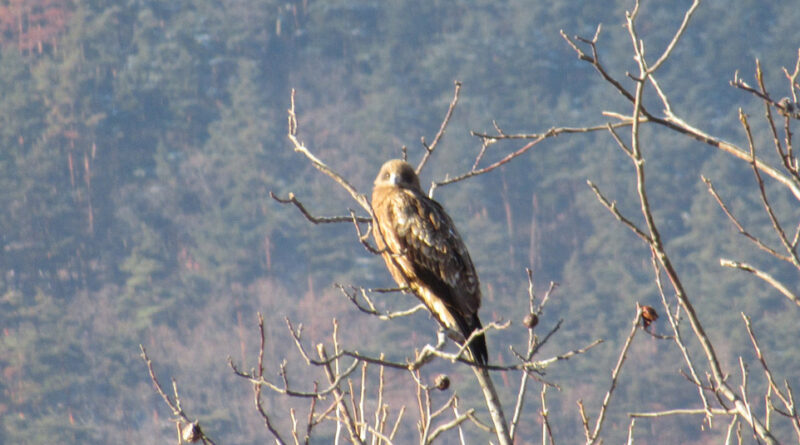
x,y
424,252
649,315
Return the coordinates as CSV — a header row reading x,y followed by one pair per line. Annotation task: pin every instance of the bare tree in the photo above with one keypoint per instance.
x,y
351,401
717,396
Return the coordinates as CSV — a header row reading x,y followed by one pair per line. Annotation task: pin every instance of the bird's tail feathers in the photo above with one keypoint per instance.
x,y
477,347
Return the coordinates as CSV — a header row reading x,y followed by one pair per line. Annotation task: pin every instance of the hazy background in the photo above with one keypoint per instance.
x,y
139,141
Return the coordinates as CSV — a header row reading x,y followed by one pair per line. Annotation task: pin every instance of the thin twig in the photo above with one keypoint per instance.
x,y
678,34
450,425
547,430
349,420
536,138
430,148
614,377
763,193
738,225
682,411
175,406
318,164
674,324
786,399
780,287
292,199
630,431
612,207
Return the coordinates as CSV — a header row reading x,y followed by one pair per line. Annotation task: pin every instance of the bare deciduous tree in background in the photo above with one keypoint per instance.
x,y
347,402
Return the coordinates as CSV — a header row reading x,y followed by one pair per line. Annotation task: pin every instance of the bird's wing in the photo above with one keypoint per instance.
x,y
426,245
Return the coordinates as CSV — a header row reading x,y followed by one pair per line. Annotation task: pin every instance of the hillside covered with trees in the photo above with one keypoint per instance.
x,y
140,142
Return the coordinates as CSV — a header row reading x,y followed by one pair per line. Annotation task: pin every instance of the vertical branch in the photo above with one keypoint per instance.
x,y
523,385
494,405
361,414
674,324
768,116
614,377
530,321
793,85
547,432
630,431
380,410
257,387
461,437
310,421
657,246
426,430
348,421
423,420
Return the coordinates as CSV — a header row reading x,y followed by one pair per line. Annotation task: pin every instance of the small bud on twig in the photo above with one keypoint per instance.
x,y
442,382
191,432
530,321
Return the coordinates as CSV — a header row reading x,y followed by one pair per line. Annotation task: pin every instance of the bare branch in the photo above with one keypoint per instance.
x,y
430,148
787,400
671,121
678,34
630,432
765,201
541,364
674,324
681,126
612,207
370,308
738,225
614,376
785,108
594,59
682,411
535,139
493,405
584,420
658,248
793,85
292,199
523,385
450,425
349,422
175,406
318,164
764,276
257,387
547,431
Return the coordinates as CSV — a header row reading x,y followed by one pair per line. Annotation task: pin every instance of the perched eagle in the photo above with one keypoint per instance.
x,y
425,253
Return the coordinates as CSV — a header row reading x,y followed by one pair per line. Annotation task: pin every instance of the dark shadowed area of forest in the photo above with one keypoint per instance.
x,y
140,141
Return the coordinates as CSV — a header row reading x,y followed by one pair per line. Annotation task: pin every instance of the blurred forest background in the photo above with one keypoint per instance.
x,y
139,141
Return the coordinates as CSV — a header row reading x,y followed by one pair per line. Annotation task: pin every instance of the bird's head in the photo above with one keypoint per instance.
x,y
398,173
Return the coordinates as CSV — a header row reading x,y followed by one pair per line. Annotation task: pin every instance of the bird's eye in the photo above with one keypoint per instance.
x,y
386,176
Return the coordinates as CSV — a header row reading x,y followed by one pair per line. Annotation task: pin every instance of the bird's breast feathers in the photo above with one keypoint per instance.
x,y
419,234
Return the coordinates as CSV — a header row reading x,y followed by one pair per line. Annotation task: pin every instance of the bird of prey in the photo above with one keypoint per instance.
x,y
424,252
